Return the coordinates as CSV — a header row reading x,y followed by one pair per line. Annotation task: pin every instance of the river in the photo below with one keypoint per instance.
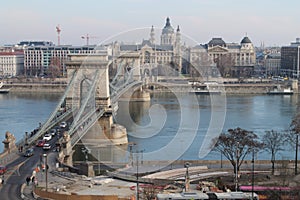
x,y
170,126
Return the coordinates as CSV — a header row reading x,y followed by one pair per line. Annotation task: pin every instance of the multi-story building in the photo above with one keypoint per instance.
x,y
232,59
49,60
290,59
168,52
272,64
11,63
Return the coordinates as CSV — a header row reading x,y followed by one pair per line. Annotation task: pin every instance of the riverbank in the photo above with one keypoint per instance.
x,y
59,85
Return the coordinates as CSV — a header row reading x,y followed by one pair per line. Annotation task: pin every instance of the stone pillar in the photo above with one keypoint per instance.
x,y
67,149
87,169
295,86
9,142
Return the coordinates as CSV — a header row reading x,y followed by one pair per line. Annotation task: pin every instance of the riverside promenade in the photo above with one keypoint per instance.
x,y
121,183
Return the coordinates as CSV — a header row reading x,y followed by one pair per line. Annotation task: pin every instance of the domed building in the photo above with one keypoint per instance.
x,y
231,59
167,53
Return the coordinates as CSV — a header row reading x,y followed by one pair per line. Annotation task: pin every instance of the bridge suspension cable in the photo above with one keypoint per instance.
x,y
88,97
47,124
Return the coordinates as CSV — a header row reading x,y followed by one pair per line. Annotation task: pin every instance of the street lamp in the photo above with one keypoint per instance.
x,y
236,167
252,190
187,178
46,170
296,154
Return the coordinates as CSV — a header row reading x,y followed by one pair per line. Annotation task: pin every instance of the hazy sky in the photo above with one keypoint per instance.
x,y
274,22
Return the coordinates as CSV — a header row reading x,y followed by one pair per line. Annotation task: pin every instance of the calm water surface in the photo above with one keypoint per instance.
x,y
168,127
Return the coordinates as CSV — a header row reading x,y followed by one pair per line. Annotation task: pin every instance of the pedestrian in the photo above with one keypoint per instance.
x,y
32,179
2,180
28,179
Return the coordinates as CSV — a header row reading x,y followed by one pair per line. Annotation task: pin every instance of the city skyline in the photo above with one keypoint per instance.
x,y
270,22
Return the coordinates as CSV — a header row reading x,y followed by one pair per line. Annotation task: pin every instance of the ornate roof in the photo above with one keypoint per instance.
x,y
168,28
216,41
246,40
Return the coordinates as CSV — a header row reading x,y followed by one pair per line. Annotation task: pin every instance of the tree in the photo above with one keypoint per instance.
x,y
225,64
236,144
273,143
295,129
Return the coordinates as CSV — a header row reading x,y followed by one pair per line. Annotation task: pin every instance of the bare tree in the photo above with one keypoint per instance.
x,y
225,64
236,144
273,143
55,67
295,129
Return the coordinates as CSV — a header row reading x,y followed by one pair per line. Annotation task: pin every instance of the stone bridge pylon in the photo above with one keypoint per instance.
x,y
89,81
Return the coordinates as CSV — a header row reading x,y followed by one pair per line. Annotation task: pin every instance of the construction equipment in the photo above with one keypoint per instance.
x,y
88,37
58,30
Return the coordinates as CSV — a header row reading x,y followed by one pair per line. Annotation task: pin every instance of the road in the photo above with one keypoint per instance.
x,y
18,170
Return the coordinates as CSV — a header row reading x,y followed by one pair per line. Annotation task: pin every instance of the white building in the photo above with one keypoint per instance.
x,y
38,60
11,63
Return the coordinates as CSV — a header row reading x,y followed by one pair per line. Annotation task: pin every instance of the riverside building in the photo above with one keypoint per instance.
x,y
167,52
231,59
290,61
11,63
44,59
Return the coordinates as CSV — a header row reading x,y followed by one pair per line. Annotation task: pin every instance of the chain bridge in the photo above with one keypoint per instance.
x,y
91,97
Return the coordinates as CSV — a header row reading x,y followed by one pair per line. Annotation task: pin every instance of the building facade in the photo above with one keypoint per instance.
x,y
231,59
11,63
46,60
273,64
290,63
168,52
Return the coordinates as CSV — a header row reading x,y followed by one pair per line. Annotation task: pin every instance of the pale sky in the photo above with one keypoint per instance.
x,y
274,22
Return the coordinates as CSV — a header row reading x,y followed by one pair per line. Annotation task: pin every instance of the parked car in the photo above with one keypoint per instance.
x,y
47,146
29,152
47,137
40,143
63,124
3,170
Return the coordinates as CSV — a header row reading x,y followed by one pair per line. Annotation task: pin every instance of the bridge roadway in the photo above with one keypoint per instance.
x,y
20,168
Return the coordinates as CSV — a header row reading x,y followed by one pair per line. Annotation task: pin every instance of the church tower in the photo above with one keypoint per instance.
x,y
167,35
177,50
152,35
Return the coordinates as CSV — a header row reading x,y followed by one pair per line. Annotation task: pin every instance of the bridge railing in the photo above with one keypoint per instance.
x,y
85,125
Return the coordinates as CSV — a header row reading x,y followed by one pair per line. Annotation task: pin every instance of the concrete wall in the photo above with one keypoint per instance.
x,y
59,196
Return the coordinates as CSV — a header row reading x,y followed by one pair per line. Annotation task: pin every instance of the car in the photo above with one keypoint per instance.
x,y
47,146
3,170
47,137
40,143
53,132
63,124
29,152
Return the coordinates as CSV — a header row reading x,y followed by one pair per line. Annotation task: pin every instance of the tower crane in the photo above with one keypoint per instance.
x,y
58,30
88,37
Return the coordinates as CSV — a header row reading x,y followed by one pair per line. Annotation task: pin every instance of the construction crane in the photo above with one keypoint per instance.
x,y
88,37
58,30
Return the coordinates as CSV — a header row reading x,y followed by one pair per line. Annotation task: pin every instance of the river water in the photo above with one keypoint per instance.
x,y
170,126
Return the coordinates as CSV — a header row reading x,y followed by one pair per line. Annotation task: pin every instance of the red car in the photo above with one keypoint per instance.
x,y
40,143
3,169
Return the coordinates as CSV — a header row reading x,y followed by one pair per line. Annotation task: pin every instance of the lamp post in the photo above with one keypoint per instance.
x,y
296,154
137,176
236,167
252,190
187,178
46,170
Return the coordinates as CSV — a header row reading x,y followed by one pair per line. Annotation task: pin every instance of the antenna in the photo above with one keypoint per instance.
x,y
58,30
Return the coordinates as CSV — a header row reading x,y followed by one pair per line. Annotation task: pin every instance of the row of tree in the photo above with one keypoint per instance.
x,y
237,143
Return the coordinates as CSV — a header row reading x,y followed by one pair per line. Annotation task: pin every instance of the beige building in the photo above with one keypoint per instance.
x,y
168,52
231,59
11,63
